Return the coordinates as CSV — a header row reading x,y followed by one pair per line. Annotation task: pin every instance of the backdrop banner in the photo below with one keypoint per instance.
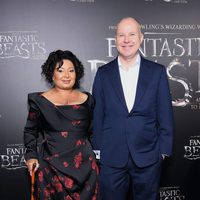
x,y
31,29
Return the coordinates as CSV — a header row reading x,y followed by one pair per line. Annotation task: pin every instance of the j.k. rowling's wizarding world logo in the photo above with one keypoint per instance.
x,y
23,44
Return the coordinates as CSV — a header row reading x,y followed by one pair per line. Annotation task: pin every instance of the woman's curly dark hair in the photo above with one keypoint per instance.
x,y
57,57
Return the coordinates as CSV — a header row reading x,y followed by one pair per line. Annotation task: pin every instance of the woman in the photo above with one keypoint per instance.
x,y
65,163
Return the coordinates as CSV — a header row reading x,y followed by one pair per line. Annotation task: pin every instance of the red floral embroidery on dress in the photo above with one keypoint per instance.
x,y
39,190
69,182
58,186
96,188
78,142
32,115
55,179
52,191
64,134
76,196
76,107
90,158
65,164
46,170
60,178
94,197
95,167
46,193
76,122
68,198
40,176
93,164
78,160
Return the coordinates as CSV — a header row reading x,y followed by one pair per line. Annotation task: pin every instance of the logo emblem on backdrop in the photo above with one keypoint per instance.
x,y
171,193
192,149
13,157
22,44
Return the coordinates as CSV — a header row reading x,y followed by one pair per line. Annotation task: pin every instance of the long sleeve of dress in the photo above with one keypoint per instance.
x,y
31,130
91,104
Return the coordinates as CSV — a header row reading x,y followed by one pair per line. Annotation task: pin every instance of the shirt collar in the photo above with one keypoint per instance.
x,y
137,62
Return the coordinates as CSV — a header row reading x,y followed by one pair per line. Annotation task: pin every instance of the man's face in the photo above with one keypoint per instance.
x,y
128,38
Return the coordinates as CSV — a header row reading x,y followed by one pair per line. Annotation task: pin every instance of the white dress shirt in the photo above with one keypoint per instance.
x,y
129,79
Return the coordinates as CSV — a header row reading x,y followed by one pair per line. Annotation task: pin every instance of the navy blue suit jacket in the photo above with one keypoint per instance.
x,y
146,131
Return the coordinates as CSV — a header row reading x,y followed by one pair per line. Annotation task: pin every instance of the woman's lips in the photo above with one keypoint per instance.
x,y
66,81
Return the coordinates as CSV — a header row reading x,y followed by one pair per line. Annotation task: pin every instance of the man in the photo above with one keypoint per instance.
x,y
133,122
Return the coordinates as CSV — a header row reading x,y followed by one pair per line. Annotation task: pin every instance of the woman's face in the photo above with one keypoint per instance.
x,y
64,77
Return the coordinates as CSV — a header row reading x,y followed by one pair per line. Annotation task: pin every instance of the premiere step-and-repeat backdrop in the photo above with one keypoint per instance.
x,y
31,29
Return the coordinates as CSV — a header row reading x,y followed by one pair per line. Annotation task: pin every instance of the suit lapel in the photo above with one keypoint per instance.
x,y
143,79
116,83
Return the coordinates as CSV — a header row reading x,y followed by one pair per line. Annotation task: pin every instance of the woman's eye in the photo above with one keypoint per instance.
x,y
59,70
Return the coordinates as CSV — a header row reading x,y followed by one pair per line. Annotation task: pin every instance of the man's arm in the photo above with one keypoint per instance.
x,y
98,114
165,115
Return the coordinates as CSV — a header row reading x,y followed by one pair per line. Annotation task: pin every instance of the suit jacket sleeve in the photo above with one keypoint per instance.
x,y
165,115
98,111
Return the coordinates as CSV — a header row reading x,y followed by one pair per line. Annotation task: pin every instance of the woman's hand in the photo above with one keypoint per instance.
x,y
30,165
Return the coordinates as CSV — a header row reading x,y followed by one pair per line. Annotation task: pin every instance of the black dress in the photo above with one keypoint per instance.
x,y
68,169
